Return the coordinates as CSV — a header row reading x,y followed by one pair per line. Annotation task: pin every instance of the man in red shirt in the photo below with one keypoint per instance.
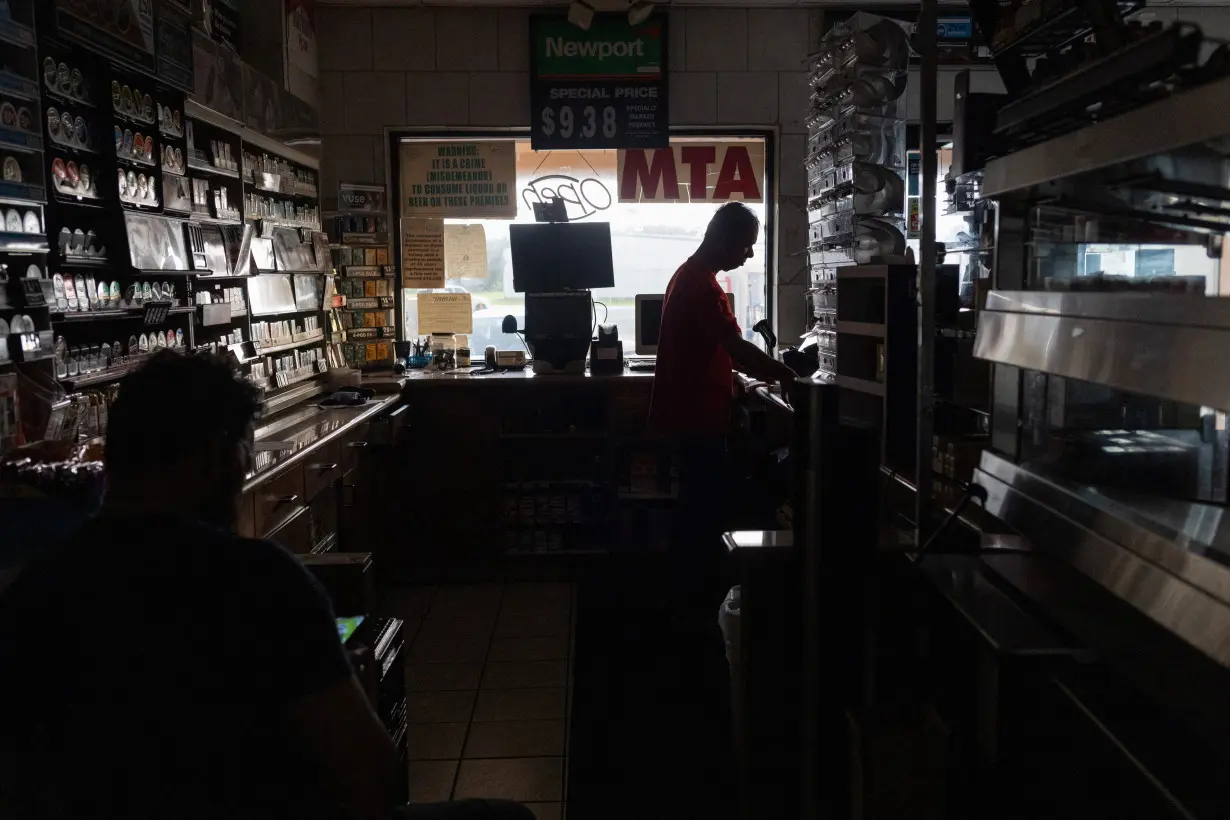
x,y
700,346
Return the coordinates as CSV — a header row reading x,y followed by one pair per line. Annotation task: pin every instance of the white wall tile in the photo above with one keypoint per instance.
x,y
790,313
747,97
440,98
514,29
379,150
467,39
693,98
676,46
792,148
332,102
716,39
945,80
777,39
348,159
374,99
347,41
403,39
794,95
501,99
815,27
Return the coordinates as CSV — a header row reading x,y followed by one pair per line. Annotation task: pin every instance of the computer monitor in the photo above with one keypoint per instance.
x,y
550,257
649,320
566,315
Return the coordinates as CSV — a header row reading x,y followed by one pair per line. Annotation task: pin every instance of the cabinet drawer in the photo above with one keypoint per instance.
x,y
295,534
245,517
352,448
321,469
277,499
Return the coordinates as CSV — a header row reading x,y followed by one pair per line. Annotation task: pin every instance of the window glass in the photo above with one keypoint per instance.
x,y
649,241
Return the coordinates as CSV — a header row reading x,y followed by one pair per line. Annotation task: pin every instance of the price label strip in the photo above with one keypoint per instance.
x,y
600,88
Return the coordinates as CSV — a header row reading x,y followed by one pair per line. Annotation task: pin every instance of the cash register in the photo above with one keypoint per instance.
x,y
555,264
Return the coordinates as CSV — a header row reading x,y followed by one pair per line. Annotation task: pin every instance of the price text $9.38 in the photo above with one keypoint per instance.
x,y
585,124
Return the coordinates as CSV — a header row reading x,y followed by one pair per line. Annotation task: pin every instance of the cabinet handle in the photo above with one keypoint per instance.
x,y
282,499
357,444
398,411
324,468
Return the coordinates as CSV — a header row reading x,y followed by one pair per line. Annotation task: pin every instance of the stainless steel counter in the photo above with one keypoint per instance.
x,y
283,443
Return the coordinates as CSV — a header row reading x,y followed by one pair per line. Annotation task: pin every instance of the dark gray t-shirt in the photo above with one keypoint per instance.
x,y
143,670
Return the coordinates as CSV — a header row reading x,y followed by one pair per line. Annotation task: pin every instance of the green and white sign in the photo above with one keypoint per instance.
x,y
604,87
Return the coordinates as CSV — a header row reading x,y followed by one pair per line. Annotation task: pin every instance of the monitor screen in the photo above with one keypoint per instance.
x,y
346,627
556,256
558,315
649,320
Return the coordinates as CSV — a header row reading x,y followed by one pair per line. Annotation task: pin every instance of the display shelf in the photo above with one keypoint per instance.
x,y
310,374
278,348
28,360
68,150
12,242
133,119
212,169
137,162
1114,141
860,385
861,328
73,384
111,313
13,84
18,193
64,98
17,139
15,33
1051,29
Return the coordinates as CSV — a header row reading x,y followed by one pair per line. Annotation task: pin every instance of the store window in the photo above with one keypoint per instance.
x,y
649,240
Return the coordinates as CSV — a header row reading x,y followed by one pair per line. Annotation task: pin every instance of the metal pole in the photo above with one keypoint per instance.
x,y
925,42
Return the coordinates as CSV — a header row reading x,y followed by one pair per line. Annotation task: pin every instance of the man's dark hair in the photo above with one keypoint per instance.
x,y
732,219
173,406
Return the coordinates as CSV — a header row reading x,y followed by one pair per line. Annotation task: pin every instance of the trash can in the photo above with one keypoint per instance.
x,y
729,616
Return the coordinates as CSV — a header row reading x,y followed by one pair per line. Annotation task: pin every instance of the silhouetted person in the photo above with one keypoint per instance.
x,y
700,345
159,666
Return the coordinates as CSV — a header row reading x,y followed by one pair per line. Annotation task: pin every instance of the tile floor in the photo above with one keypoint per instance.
x,y
489,679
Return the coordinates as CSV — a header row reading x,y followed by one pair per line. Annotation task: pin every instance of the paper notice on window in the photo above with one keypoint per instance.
x,y
422,252
445,313
465,252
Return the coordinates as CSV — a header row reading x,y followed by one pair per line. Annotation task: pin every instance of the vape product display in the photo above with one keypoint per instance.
x,y
855,162
73,180
68,130
264,207
66,80
156,243
20,221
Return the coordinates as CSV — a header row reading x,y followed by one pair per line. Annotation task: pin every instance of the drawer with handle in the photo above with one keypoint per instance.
x,y
277,499
322,467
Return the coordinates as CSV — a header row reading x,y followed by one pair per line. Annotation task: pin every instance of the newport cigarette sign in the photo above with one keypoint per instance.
x,y
603,87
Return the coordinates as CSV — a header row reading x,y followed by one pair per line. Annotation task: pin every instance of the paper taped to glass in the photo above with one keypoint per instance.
x,y
465,252
422,252
445,313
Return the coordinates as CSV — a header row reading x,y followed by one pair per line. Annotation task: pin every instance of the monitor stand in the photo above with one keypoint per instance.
x,y
558,355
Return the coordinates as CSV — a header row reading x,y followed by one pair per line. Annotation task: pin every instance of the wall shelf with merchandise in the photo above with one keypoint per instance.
x,y
364,320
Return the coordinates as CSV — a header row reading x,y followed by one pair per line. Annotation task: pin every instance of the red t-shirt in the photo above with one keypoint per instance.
x,y
693,384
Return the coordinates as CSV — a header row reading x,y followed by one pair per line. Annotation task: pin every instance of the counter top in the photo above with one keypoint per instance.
x,y
751,387
466,376
286,442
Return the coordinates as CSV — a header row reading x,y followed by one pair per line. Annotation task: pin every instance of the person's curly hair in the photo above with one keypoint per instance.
x,y
211,404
